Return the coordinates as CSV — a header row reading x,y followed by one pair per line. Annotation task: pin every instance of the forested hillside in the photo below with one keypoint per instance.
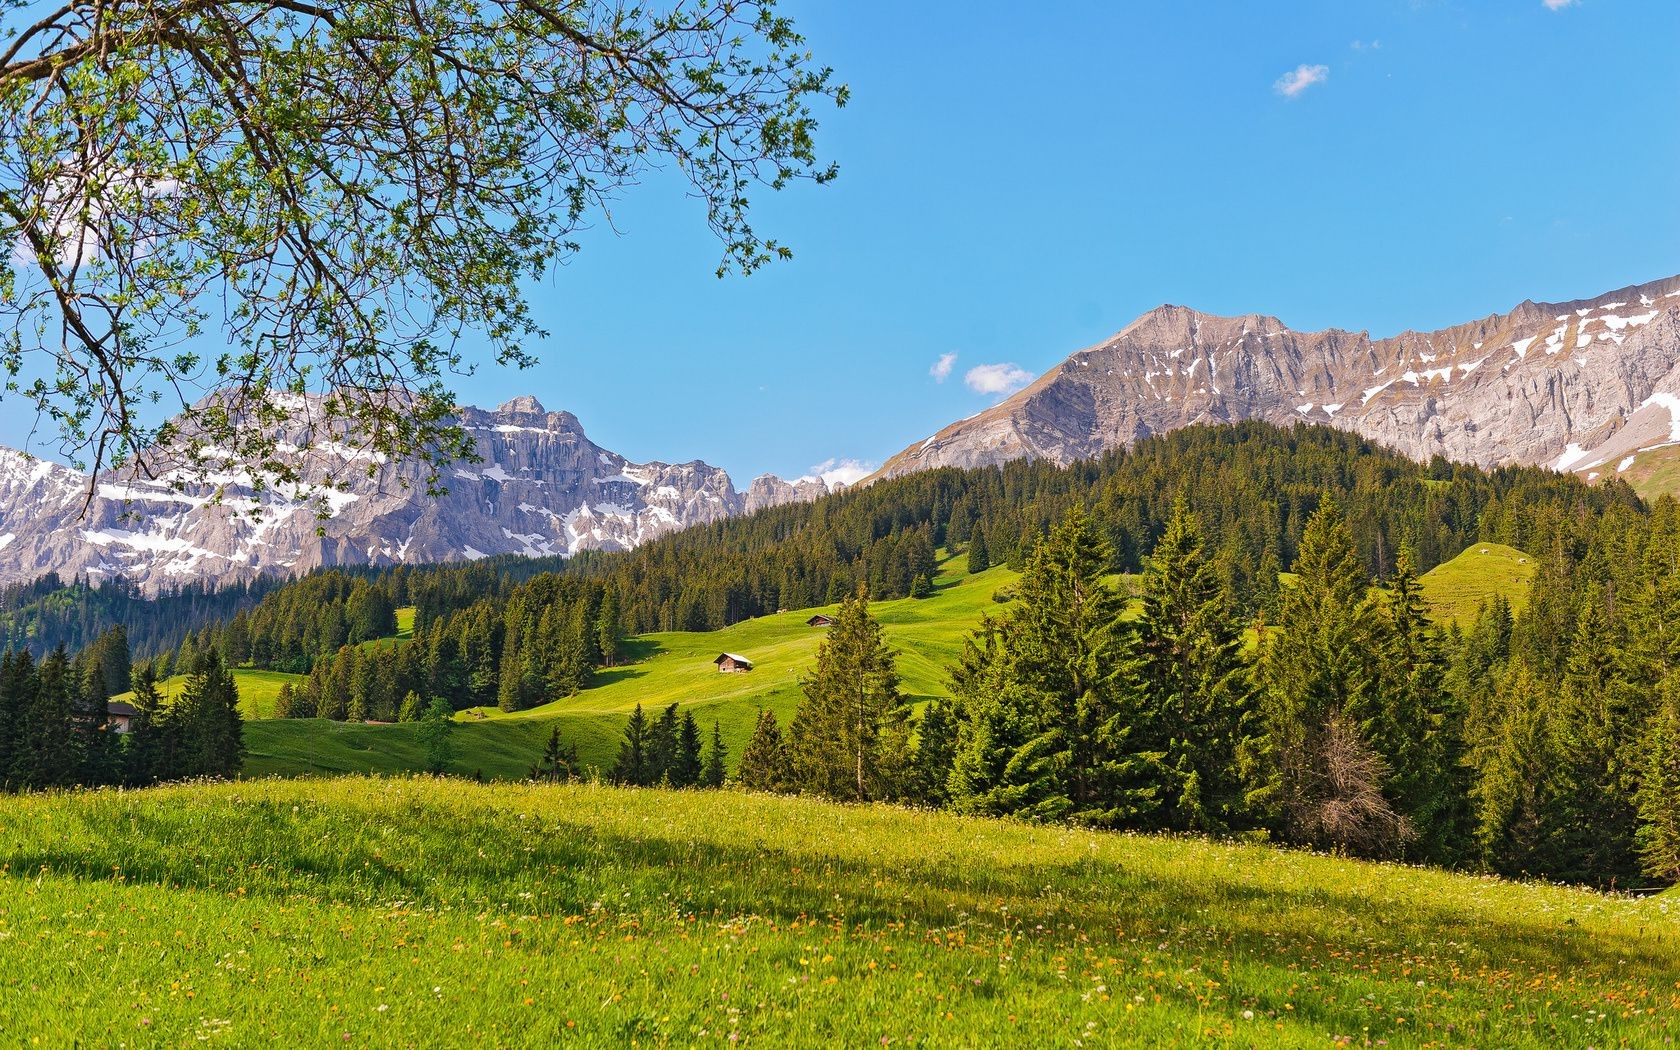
x,y
1536,738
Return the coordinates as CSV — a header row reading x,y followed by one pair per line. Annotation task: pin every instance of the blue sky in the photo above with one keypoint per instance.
x,y
1019,181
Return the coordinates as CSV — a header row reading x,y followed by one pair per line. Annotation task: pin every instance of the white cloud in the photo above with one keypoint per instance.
x,y
842,471
997,379
941,369
1299,79
1557,5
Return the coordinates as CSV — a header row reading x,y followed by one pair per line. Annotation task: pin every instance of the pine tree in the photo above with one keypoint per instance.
x,y
558,762
1318,690
413,708
633,762
713,771
764,763
212,729
979,556
834,740
1188,708
686,763
1004,760
1659,791
609,628
436,735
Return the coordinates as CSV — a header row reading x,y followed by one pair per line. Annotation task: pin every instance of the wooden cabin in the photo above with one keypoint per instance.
x,y
121,716
731,663
820,620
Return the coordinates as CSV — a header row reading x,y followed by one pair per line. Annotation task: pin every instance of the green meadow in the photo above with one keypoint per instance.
x,y
420,912
676,667
1456,590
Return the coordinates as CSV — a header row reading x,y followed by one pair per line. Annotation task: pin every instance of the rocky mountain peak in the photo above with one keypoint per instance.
x,y
1544,383
540,487
523,405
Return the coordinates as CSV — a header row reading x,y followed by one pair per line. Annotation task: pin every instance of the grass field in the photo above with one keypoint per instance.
x,y
665,668
676,667
420,913
1455,590
257,689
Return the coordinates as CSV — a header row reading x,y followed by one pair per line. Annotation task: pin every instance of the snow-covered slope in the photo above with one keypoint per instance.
x,y
1577,386
541,488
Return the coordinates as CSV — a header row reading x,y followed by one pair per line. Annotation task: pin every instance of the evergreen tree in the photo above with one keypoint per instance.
x,y
979,555
1188,709
834,742
764,763
212,730
558,762
662,750
686,763
634,762
436,735
609,628
147,750
413,708
1004,760
1659,791
1067,643
713,771
1318,692
936,746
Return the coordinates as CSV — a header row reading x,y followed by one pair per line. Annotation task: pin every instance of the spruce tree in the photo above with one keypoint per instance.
x,y
1067,643
1319,692
936,745
436,736
633,760
979,555
713,770
558,762
212,729
764,763
1659,791
1188,707
1004,759
686,763
834,742
147,749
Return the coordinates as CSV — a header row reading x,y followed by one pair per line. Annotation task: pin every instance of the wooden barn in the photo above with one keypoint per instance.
x,y
820,620
732,663
121,716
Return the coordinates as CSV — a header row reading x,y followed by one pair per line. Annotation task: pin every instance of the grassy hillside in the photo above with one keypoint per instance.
x,y
257,689
1654,473
1456,589
676,667
419,912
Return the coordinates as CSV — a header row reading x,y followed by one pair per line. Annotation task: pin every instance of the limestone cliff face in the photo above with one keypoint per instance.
x,y
1578,386
541,487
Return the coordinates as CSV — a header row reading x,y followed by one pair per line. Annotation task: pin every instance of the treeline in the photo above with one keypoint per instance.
x,y
57,729
1356,725
1573,708
1254,486
49,613
514,648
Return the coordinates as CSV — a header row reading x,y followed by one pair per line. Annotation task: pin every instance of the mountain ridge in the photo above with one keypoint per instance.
x,y
541,488
1605,385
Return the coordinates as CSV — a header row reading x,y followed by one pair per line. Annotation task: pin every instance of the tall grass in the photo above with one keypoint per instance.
x,y
439,912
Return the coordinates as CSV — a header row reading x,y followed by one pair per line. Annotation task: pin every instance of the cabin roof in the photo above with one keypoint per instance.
x,y
738,658
121,709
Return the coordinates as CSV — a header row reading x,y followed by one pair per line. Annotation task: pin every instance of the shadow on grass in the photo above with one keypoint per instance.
x,y
429,854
